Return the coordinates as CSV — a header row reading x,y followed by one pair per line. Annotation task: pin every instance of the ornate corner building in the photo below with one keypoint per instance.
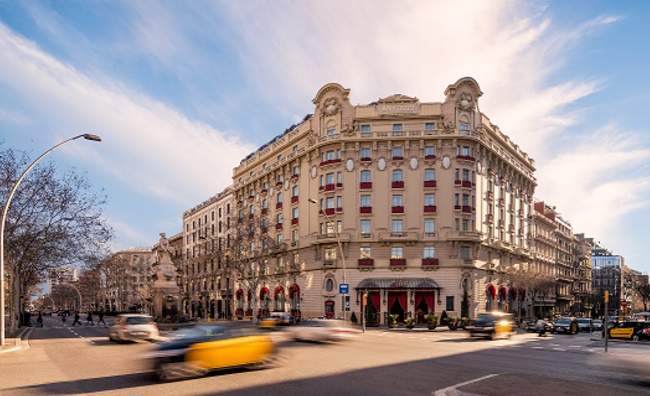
x,y
420,204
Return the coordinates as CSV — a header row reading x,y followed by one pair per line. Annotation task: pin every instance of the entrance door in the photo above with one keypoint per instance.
x,y
397,304
373,309
424,305
329,309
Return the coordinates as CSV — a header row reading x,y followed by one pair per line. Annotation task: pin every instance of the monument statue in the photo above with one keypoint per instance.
x,y
165,288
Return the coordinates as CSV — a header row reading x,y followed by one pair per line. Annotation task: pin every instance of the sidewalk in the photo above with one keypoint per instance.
x,y
17,343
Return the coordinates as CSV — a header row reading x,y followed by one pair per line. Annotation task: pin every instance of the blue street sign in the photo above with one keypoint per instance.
x,y
344,288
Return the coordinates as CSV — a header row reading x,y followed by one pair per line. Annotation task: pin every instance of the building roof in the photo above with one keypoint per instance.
x,y
398,283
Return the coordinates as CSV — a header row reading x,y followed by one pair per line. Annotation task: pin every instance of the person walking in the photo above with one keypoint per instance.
x,y
89,319
39,320
63,317
101,318
76,318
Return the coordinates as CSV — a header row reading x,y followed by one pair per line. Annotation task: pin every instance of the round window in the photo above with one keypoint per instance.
x,y
329,285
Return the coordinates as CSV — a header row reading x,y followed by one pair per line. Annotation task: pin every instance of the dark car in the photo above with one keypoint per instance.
x,y
630,330
597,325
492,325
585,324
566,326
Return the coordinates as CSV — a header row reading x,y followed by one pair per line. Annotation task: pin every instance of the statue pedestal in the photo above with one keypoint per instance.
x,y
166,303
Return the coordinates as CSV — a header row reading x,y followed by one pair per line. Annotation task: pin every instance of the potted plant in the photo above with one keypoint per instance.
x,y
452,323
392,320
432,321
409,322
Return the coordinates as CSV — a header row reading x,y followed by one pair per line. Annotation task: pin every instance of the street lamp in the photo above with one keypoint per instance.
x,y
87,136
338,242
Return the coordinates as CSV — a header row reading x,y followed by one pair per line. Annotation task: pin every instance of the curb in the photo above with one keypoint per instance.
x,y
20,341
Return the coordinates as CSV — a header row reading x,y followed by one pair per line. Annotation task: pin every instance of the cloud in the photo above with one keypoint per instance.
x,y
149,146
13,117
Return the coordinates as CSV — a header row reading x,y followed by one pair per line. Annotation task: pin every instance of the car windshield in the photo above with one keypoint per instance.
x,y
138,320
484,319
198,331
563,321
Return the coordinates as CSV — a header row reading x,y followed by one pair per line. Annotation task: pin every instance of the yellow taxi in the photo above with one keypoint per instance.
x,y
492,325
629,330
200,349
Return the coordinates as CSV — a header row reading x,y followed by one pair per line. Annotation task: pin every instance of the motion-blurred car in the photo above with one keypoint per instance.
x,y
276,318
133,327
565,325
597,325
629,330
492,325
200,349
322,330
584,324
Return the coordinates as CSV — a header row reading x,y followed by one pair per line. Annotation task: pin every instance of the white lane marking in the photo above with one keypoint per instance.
x,y
537,347
559,349
453,390
575,346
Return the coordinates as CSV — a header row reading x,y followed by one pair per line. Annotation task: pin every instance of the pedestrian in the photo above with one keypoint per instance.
x,y
101,318
39,320
540,326
76,318
89,318
62,316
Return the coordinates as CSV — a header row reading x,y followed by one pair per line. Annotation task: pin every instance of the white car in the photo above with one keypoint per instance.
x,y
321,330
133,327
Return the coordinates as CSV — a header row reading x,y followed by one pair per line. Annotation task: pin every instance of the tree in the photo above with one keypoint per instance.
x,y
55,219
535,284
643,290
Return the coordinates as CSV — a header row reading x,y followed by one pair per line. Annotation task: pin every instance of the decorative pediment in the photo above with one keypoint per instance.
x,y
398,98
398,104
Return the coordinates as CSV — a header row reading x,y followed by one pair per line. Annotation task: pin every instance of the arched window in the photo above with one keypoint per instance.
x,y
329,285
398,175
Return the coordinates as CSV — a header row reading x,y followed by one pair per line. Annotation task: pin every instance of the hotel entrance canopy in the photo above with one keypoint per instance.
x,y
397,283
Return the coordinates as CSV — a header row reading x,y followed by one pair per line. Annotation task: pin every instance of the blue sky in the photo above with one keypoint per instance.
x,y
181,92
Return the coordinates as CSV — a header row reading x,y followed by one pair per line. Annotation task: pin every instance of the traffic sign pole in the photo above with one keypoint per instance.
x,y
606,298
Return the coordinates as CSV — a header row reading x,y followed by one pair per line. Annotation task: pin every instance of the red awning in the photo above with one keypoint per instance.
x,y
278,290
264,291
491,290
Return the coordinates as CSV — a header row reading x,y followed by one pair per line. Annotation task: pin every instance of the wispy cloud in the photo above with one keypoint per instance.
x,y
152,147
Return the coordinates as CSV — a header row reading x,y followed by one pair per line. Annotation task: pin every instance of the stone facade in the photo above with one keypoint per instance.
x,y
125,280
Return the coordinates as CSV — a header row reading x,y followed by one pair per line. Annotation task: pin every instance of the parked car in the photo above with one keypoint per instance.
x,y
597,325
585,324
566,325
133,327
199,349
629,330
322,330
492,325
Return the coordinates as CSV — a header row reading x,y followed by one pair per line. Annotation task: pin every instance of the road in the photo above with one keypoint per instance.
x,y
64,360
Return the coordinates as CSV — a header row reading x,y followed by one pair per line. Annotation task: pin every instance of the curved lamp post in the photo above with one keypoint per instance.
x,y
86,136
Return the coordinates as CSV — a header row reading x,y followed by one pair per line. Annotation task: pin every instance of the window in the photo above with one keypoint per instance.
x,y
279,218
429,126
329,285
339,177
295,171
364,201
397,129
457,199
365,252
466,175
365,226
329,202
365,176
397,225
331,131
466,200
398,175
429,199
329,178
429,252
265,203
294,213
464,128
429,226
429,151
364,153
365,129
279,238
450,303
465,252
278,198
465,225
397,200
465,151
397,152
330,155
295,191
429,174
330,254
397,252
339,201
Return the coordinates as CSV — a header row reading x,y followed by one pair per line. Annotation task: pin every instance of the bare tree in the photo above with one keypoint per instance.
x,y
535,284
55,219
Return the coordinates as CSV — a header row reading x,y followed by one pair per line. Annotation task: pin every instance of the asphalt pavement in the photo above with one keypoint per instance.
x,y
65,360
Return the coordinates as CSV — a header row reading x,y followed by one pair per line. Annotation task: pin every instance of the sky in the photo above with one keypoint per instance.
x,y
181,91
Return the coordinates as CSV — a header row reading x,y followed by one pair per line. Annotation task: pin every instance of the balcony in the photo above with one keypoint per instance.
x,y
339,210
329,211
457,207
397,209
467,209
294,221
365,159
365,209
429,262
467,184
430,208
295,199
430,183
398,263
365,185
366,263
278,226
329,187
339,185
330,162
264,191
398,158
430,157
398,184
264,211
398,236
465,157
278,205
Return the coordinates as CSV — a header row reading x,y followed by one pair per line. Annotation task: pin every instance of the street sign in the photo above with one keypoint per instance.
x,y
344,288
